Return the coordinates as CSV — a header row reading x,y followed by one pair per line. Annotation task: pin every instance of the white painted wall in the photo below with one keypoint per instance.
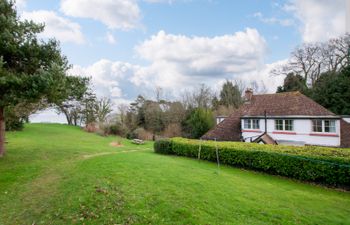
x,y
301,133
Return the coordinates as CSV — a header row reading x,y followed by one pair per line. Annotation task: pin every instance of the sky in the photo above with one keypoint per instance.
x,y
131,47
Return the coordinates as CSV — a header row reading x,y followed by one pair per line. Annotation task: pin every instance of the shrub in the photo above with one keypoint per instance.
x,y
199,121
163,146
91,127
172,130
114,129
317,164
131,135
143,134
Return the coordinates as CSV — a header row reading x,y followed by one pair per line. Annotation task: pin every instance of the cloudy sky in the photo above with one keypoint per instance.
x,y
130,47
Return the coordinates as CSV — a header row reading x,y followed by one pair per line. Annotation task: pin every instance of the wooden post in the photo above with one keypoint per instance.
x,y
2,131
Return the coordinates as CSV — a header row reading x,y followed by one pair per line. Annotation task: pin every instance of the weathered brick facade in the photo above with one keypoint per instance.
x,y
345,134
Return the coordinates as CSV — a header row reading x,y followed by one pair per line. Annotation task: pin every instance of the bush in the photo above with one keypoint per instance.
x,y
172,130
329,166
143,134
163,146
114,129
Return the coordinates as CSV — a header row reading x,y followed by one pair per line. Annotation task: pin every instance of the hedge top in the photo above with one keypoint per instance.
x,y
324,153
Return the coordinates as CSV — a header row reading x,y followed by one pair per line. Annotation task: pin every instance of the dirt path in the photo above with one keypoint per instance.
x,y
110,153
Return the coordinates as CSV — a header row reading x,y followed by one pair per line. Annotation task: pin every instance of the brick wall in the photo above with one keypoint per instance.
x,y
345,134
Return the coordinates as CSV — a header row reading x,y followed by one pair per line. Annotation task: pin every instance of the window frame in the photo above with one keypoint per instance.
x,y
283,126
251,124
331,127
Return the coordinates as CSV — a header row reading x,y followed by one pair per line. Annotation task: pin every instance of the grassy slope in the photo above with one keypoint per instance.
x,y
53,174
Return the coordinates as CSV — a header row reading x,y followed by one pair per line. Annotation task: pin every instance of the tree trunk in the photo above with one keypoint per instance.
x,y
2,131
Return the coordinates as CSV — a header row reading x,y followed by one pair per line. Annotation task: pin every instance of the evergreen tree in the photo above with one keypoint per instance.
x,y
29,68
230,95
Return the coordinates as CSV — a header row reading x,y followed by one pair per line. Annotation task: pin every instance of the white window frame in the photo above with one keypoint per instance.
x,y
250,124
332,124
284,125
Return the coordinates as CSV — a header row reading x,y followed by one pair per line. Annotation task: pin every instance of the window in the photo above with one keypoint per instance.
x,y
327,126
278,124
251,124
286,125
317,125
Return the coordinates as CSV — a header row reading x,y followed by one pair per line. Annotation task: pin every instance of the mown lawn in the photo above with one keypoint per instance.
x,y
56,174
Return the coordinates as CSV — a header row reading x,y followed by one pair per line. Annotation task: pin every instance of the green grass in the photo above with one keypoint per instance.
x,y
56,174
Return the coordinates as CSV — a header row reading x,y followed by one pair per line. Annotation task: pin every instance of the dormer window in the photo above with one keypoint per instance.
x,y
251,124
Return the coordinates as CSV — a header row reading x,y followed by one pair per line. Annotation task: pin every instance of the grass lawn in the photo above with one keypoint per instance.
x,y
56,174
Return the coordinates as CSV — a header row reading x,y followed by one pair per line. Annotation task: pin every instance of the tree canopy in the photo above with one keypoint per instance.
x,y
30,68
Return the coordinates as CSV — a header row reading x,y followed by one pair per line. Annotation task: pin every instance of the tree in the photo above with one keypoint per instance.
x,y
153,117
230,95
313,59
103,108
333,91
88,108
68,99
29,68
201,97
199,122
293,82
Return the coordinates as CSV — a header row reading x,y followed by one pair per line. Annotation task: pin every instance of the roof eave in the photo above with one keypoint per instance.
x,y
294,117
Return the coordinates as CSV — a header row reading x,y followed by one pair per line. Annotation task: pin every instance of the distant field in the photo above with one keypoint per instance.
x,y
57,174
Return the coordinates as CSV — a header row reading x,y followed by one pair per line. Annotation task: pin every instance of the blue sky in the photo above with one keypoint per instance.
x,y
130,47
207,18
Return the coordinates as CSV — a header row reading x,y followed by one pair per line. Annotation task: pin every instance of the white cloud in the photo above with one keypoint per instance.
x,y
179,61
263,76
320,19
110,38
273,20
55,26
21,4
115,14
106,76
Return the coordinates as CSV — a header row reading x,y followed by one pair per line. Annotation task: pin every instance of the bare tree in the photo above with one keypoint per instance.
x,y
312,59
102,108
123,110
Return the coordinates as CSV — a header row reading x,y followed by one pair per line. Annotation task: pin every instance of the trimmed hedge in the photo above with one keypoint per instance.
x,y
163,146
329,166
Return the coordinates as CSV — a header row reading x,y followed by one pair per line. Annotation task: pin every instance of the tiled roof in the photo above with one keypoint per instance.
x,y
284,104
280,104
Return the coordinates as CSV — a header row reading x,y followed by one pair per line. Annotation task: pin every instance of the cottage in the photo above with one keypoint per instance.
x,y
284,118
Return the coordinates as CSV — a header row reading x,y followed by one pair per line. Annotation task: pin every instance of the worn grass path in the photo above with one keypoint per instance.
x,y
56,174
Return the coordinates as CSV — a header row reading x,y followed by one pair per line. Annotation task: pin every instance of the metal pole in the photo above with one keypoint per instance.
x,y
217,155
199,149
265,123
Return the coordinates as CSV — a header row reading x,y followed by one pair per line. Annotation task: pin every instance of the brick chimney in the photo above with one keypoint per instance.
x,y
248,94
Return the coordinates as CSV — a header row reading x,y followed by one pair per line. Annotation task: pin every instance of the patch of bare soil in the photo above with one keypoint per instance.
x,y
110,153
116,144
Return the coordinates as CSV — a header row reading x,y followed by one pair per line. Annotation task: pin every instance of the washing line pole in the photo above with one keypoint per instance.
x,y
199,149
217,155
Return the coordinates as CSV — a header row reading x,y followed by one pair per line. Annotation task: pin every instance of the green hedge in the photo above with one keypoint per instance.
x,y
163,146
329,166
